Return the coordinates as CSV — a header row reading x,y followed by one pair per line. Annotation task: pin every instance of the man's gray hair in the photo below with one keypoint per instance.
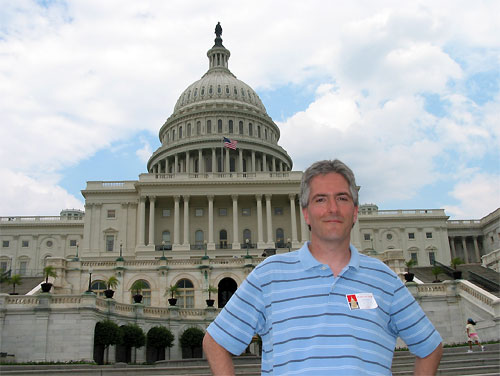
x,y
323,168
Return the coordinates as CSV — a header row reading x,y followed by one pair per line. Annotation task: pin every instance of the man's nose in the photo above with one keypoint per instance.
x,y
333,206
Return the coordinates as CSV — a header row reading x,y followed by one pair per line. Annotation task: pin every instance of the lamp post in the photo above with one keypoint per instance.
x,y
288,244
76,257
246,242
163,250
205,256
90,281
121,256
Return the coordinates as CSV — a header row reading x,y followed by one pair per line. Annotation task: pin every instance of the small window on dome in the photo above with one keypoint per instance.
x,y
242,92
219,90
240,126
189,94
195,92
203,91
210,90
227,90
235,91
249,95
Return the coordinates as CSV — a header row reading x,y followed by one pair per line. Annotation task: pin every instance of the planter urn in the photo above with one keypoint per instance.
x,y
137,298
109,294
172,301
46,287
210,302
409,277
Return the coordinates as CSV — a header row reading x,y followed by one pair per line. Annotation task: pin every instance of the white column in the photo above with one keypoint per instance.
x,y
210,244
304,229
152,200
270,241
226,162
176,220
476,249
186,219
188,165
253,168
176,164
214,160
240,160
87,227
236,243
201,167
142,220
452,244
264,162
260,238
466,252
293,219
166,165
273,161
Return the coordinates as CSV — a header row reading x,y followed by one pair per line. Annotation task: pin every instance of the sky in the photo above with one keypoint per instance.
x,y
406,93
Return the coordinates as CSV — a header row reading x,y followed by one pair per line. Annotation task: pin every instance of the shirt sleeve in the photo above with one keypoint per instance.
x,y
410,322
241,318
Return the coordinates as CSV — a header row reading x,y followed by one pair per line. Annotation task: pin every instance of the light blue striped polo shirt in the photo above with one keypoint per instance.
x,y
307,325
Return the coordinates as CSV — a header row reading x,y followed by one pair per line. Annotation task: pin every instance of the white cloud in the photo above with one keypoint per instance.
x,y
477,196
145,153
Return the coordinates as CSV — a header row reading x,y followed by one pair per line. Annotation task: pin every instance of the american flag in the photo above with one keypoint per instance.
x,y
231,144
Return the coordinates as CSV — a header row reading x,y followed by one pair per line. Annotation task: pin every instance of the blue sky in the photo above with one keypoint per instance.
x,y
408,95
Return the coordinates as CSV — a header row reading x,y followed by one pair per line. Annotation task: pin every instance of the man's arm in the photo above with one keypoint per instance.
x,y
219,359
429,365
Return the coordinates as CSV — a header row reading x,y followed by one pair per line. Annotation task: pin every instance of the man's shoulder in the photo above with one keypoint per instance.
x,y
372,264
280,261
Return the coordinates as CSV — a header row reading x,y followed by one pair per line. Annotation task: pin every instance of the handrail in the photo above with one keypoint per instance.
x,y
446,269
484,281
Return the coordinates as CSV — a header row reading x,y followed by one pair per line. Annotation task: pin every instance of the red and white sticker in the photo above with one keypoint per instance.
x,y
363,300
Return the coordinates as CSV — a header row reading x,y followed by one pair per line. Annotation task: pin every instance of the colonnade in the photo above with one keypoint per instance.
x,y
466,254
244,161
264,239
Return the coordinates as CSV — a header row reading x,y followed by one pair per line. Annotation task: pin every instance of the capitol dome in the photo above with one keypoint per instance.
x,y
215,107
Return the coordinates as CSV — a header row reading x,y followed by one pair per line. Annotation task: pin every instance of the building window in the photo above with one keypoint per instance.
x,y
98,288
223,239
5,244
231,128
199,239
72,243
411,235
198,212
166,240
185,294
428,235
280,238
145,292
23,265
250,129
367,237
247,235
3,266
188,134
198,127
219,126
278,210
165,213
414,257
25,244
49,243
432,258
258,131
111,213
240,126
209,126
222,213
110,243
246,212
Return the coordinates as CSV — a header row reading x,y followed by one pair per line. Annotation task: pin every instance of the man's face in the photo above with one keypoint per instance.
x,y
331,212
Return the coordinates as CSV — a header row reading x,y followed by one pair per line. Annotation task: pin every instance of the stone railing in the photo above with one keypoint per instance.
x,y
184,176
484,299
492,260
50,219
401,212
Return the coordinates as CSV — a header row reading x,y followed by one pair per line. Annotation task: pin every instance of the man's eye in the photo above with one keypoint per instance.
x,y
343,198
320,199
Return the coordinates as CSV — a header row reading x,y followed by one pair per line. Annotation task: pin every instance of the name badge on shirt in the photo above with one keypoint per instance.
x,y
363,300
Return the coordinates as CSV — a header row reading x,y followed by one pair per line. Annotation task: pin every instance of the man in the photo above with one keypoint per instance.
x,y
324,309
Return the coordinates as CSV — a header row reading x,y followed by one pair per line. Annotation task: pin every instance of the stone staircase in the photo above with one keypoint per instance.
x,y
456,361
28,283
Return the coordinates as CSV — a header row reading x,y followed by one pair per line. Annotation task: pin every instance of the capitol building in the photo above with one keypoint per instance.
x,y
218,196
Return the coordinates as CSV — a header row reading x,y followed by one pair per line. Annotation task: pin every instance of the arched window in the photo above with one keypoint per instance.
x,y
98,287
185,294
280,238
198,239
165,238
209,126
230,126
173,134
188,134
227,287
180,132
198,127
247,234
219,126
223,239
265,134
258,131
145,292
240,126
250,129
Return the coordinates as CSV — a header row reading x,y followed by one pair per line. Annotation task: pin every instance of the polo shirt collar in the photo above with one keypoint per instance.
x,y
308,261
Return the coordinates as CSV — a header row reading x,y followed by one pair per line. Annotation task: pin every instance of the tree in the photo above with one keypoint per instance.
x,y
133,336
49,271
138,286
192,339
211,289
112,282
107,333
16,279
455,262
409,264
436,271
158,338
